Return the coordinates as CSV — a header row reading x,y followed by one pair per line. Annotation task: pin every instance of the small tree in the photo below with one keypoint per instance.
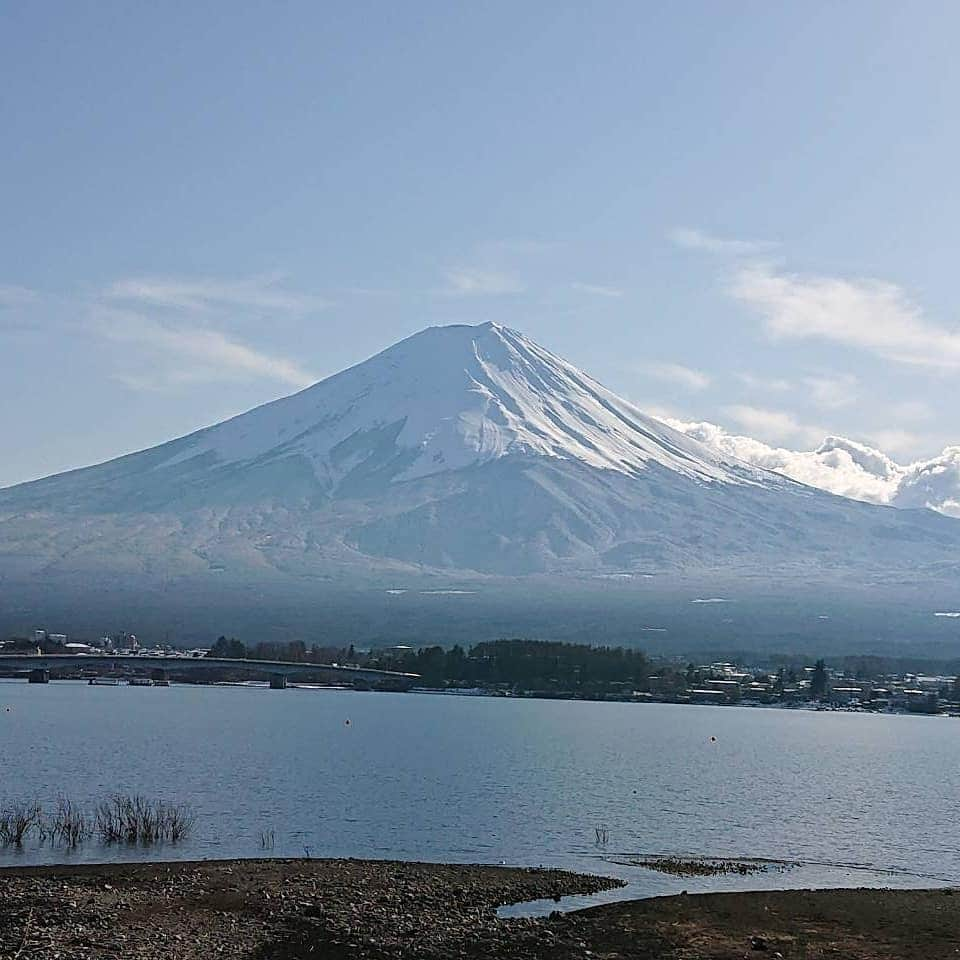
x,y
231,649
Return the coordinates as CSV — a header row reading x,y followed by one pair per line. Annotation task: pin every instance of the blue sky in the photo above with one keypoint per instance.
x,y
742,212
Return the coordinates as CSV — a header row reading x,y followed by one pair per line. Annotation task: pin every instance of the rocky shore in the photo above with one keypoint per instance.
x,y
281,909
338,909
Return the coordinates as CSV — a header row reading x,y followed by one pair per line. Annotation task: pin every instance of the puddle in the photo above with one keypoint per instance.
x,y
652,876
543,908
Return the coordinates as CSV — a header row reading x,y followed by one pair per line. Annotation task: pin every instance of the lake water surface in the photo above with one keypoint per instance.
x,y
859,799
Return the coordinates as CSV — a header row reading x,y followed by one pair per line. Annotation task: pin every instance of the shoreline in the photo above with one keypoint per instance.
x,y
804,706
380,909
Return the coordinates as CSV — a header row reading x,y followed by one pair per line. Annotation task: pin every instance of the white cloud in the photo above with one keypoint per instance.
x,y
910,411
179,353
773,384
25,311
659,412
831,393
206,293
516,247
846,467
838,465
180,330
676,373
772,425
475,282
868,314
12,296
895,440
766,384
865,314
932,483
597,290
692,239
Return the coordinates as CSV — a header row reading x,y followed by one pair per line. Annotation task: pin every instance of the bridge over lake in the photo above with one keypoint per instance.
x,y
278,671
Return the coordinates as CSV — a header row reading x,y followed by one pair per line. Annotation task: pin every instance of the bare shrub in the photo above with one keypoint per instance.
x,y
123,819
178,820
71,825
17,821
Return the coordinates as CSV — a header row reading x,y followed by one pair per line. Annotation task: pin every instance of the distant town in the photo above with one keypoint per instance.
x,y
531,668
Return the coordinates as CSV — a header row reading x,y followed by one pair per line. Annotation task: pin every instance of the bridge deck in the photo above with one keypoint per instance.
x,y
287,668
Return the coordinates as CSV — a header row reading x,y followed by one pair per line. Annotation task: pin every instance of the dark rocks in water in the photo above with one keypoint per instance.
x,y
708,867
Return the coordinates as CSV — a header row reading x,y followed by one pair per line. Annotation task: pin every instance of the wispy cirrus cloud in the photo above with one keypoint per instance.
x,y
765,384
832,392
182,353
596,290
177,330
20,309
773,426
870,315
166,333
508,266
478,282
13,296
864,313
691,238
264,293
910,411
680,375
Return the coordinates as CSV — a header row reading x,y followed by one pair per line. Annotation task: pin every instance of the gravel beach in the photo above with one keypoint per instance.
x,y
294,909
277,908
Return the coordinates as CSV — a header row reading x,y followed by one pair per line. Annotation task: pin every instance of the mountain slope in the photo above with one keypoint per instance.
x,y
445,399
465,452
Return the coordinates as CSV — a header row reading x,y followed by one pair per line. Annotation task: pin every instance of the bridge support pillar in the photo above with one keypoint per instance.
x,y
278,681
38,676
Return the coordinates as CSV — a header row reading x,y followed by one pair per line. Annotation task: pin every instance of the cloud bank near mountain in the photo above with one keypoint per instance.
x,y
847,468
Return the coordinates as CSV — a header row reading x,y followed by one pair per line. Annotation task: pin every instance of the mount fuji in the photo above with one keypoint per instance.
x,y
463,462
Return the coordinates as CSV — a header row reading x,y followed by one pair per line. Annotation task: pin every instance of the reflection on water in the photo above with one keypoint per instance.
x,y
855,799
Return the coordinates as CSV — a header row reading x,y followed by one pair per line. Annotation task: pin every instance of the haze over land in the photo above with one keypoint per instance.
x,y
462,471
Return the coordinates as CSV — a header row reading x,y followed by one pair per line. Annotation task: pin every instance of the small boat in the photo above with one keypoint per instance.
x,y
161,683
103,682
140,682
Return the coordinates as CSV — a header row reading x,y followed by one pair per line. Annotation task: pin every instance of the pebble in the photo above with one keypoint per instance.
x,y
370,910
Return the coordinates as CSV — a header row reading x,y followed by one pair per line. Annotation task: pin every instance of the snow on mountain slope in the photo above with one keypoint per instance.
x,y
467,449
451,397
442,400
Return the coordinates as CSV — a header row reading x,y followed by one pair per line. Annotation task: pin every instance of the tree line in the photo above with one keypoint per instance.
x,y
524,664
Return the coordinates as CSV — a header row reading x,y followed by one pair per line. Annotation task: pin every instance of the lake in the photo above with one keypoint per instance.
x,y
859,799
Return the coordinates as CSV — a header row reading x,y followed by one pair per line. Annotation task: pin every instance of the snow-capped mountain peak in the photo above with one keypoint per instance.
x,y
452,397
461,454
